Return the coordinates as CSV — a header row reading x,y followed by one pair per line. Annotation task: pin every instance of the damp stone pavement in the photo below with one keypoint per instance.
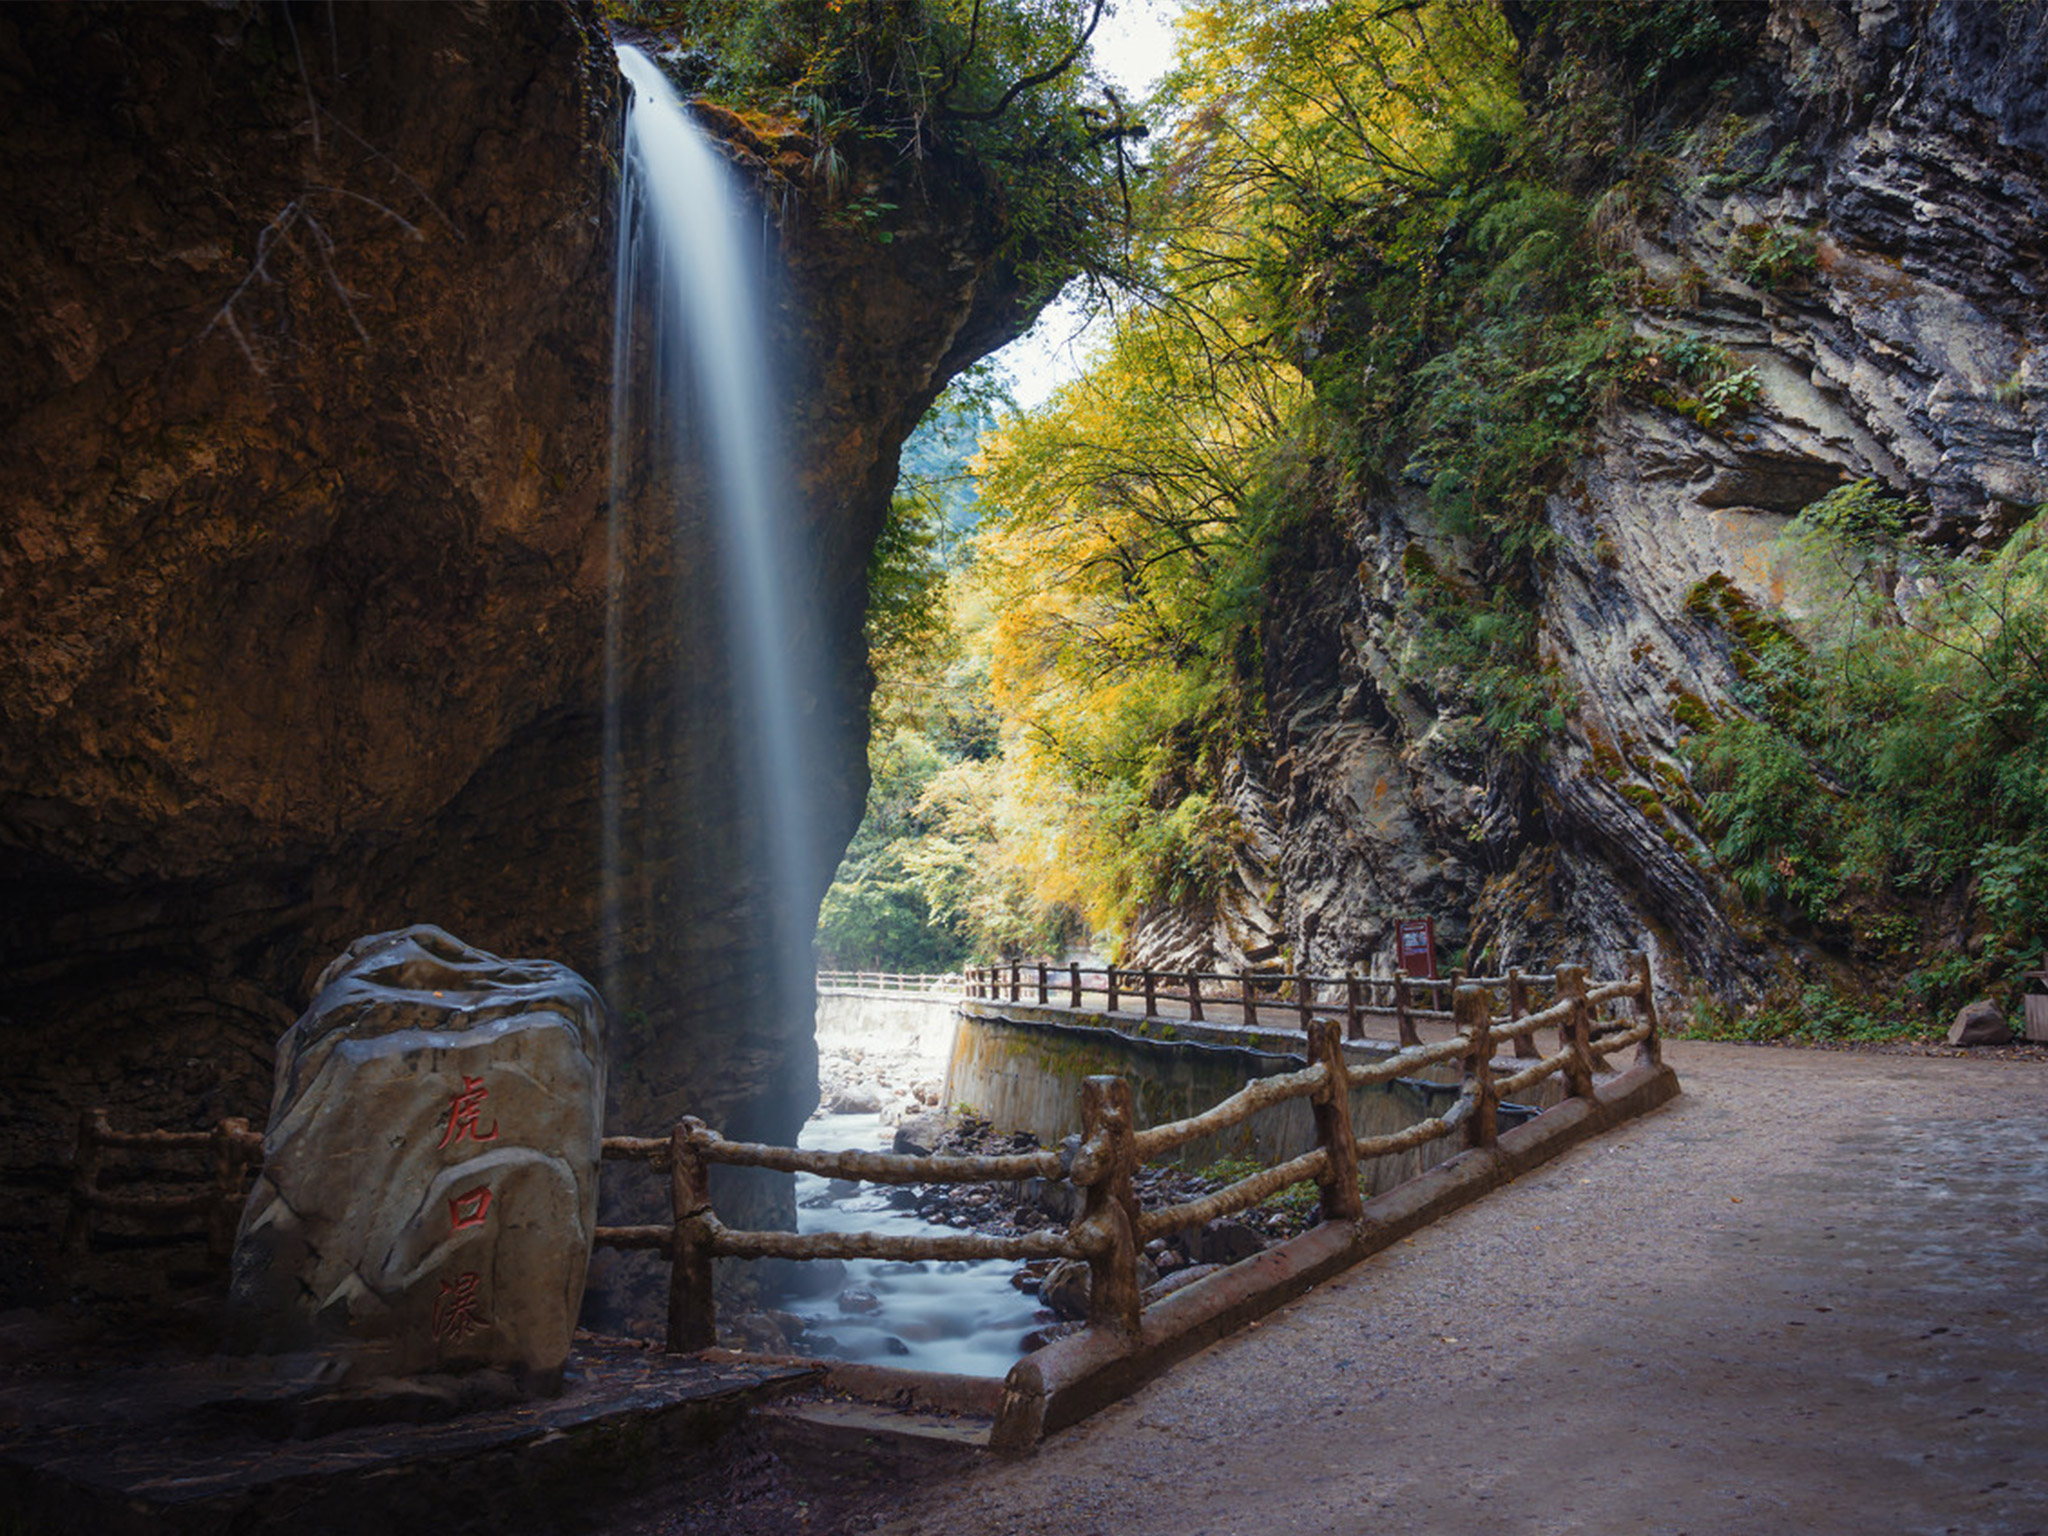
x,y
1810,1296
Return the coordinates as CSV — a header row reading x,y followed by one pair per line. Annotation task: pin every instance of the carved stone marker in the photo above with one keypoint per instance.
x,y
429,1184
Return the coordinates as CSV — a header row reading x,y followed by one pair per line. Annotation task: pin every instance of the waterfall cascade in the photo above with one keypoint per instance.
x,y
693,406
693,415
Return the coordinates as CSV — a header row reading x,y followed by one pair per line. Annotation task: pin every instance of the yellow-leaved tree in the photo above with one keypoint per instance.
x,y
1130,524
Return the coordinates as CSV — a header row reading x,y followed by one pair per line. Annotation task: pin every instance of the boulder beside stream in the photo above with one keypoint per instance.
x,y
429,1184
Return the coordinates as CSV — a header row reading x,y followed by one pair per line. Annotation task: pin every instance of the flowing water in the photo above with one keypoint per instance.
x,y
693,401
693,404
960,1317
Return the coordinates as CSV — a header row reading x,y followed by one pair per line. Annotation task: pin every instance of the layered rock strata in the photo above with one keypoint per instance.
x,y
1906,147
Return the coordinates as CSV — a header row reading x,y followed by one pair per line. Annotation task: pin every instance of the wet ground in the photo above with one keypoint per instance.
x,y
1810,1296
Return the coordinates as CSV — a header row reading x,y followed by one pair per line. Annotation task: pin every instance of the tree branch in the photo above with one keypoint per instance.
x,y
1027,82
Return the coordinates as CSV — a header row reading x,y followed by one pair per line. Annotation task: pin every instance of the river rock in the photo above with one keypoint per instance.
x,y
919,1135
1222,1241
1065,1289
855,1099
1066,1286
1166,1285
1979,1023
429,1184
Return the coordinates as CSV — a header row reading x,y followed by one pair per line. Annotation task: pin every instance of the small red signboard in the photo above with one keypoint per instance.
x,y
1416,939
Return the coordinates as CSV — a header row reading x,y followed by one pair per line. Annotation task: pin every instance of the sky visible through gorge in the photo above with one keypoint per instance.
x,y
1133,47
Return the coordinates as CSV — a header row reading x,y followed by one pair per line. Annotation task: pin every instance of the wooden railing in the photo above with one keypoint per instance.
x,y
1111,1228
234,1147
915,983
1250,996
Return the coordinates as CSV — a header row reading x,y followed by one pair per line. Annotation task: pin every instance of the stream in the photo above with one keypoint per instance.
x,y
962,1317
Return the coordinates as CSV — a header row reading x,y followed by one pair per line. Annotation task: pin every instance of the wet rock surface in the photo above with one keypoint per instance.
x,y
108,1430
303,583
894,1081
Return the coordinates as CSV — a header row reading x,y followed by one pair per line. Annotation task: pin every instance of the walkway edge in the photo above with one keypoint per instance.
x,y
1079,1375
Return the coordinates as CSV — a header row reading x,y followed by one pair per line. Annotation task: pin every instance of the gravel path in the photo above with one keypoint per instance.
x,y
1808,1297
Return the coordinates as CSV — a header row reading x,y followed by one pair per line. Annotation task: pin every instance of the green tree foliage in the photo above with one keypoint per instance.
x,y
1004,84
877,914
922,885
1352,258
1897,745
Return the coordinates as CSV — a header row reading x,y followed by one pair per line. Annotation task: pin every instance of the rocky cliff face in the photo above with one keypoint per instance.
x,y
303,560
1902,146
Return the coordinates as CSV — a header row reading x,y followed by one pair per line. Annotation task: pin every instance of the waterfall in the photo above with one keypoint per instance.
x,y
693,406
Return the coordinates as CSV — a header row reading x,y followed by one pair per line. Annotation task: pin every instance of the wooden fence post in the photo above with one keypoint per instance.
x,y
1107,1224
1576,1031
1110,990
1518,1009
1354,1021
1015,989
1041,983
1151,993
1251,1005
1194,980
692,1307
1304,997
1404,1017
1331,1106
85,1182
1472,1008
1651,1052
1074,984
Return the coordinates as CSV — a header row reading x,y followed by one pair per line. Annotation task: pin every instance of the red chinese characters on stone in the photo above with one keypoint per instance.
x,y
469,1208
465,1115
458,1309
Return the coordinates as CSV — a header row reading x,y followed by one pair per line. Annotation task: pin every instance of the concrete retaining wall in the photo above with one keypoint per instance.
x,y
1022,1068
920,1025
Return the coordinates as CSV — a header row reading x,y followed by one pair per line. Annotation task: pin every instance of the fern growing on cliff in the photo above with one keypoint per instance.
x,y
1899,754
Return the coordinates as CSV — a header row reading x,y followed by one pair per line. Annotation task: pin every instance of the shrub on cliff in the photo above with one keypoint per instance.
x,y
1002,88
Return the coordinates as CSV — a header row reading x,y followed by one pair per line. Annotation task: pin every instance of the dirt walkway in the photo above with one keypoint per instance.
x,y
1811,1296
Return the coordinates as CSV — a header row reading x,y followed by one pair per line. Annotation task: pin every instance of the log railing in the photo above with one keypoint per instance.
x,y
233,1148
915,983
1274,999
1111,1228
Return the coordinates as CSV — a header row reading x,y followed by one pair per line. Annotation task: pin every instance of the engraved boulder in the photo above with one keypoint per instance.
x,y
429,1184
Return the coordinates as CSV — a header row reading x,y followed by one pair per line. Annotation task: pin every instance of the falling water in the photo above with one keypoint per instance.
x,y
692,407
698,392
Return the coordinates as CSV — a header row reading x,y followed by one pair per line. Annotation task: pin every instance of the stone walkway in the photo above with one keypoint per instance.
x,y
1811,1296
